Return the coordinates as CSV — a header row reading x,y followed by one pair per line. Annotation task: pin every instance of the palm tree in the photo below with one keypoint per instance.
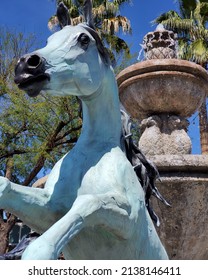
x,y
108,22
190,25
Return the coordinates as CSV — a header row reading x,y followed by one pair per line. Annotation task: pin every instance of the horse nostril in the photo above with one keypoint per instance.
x,y
34,61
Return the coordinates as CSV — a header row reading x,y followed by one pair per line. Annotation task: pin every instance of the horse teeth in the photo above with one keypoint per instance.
x,y
25,75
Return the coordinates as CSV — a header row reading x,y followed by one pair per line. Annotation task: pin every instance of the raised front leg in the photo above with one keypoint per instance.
x,y
27,203
110,210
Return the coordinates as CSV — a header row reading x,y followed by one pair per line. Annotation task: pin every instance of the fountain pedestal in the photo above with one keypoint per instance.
x,y
184,183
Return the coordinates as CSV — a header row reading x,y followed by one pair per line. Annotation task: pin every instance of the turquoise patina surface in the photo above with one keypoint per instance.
x,y
92,206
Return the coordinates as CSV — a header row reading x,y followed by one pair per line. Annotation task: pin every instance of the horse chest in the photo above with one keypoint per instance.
x,y
106,175
91,174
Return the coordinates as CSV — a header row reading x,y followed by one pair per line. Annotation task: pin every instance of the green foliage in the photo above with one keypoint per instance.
x,y
191,26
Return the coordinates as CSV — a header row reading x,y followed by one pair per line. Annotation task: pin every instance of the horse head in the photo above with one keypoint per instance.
x,y
73,62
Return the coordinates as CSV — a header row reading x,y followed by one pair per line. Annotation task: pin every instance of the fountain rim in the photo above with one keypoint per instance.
x,y
159,65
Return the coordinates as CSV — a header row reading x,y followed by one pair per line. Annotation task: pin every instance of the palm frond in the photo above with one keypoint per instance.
x,y
113,25
198,51
186,7
120,2
53,23
201,12
166,16
178,25
182,48
98,11
116,43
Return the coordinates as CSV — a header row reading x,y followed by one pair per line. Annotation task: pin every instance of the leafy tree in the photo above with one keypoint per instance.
x,y
108,23
191,26
34,133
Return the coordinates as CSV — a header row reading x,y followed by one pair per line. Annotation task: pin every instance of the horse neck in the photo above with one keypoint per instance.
x,y
101,116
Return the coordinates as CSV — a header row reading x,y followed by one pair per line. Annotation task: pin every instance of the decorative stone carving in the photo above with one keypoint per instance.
x,y
160,44
167,133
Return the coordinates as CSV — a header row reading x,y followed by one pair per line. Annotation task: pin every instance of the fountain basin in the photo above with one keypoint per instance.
x,y
157,86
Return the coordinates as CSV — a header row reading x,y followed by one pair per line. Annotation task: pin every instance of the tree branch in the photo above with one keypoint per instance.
x,y
12,153
50,144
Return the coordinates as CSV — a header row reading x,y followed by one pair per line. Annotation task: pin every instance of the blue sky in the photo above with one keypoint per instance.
x,y
32,17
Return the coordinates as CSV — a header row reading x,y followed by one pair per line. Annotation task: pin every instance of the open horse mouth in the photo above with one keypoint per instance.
x,y
32,84
30,74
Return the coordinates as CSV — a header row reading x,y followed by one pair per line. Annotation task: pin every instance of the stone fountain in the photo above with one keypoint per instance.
x,y
162,92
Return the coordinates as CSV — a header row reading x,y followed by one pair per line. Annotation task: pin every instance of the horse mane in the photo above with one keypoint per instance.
x,y
146,171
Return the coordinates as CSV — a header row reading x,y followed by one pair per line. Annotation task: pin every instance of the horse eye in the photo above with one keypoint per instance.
x,y
84,40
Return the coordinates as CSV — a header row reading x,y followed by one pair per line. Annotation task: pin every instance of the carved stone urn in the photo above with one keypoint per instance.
x,y
162,93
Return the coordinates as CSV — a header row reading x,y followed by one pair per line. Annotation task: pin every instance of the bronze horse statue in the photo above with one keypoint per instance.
x,y
93,205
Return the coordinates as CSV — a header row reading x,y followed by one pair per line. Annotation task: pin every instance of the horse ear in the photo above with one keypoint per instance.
x,y
87,10
63,15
